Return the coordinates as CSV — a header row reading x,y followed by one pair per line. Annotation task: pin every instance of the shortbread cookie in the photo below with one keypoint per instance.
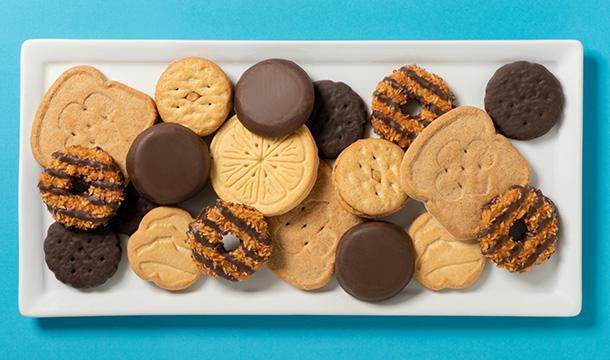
x,y
442,261
82,108
82,259
274,97
305,238
391,117
168,163
524,100
338,118
518,229
271,174
374,261
81,187
366,177
196,93
158,250
206,233
457,164
132,210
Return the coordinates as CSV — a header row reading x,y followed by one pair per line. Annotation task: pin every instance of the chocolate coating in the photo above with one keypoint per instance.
x,y
274,97
338,118
132,210
524,100
374,261
168,163
79,258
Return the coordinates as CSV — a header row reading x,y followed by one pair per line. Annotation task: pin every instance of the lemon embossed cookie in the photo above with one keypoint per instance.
x,y
459,163
272,175
158,250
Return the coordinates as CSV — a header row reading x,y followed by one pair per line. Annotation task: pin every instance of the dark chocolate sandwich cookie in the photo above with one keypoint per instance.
x,y
274,97
524,100
374,260
132,210
338,118
168,163
82,259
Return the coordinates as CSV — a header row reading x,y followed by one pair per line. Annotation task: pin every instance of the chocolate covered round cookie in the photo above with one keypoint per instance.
x,y
132,210
168,163
338,118
374,261
524,100
274,97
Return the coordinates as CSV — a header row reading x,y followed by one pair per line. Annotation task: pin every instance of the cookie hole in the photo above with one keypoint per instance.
x,y
176,89
345,106
59,241
461,167
73,134
360,165
88,241
72,259
304,226
517,230
446,170
90,270
80,249
303,208
340,137
465,151
73,271
209,104
460,185
102,258
349,123
306,243
480,167
322,228
230,242
524,123
376,194
88,126
411,108
80,187
288,223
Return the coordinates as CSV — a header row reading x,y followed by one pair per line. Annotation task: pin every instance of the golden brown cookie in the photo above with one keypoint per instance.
x,y
196,93
305,238
366,177
271,174
206,233
457,164
81,187
518,229
82,108
158,250
390,116
442,261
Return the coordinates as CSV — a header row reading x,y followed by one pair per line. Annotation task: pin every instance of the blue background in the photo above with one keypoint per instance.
x,y
584,336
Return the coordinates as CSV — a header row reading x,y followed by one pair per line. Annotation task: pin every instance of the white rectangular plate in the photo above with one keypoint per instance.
x,y
550,289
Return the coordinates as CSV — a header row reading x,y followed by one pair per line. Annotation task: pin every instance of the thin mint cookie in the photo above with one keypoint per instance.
x,y
338,118
524,100
82,259
132,210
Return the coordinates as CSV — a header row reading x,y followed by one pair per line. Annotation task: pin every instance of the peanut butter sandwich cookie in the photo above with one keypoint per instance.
x,y
459,163
271,174
158,250
366,177
442,261
196,93
394,95
82,108
305,238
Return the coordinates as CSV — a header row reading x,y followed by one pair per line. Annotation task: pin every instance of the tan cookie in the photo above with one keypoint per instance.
x,y
459,163
196,93
158,250
366,177
272,175
82,108
305,239
442,261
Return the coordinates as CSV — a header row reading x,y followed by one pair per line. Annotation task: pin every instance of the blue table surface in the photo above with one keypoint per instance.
x,y
584,336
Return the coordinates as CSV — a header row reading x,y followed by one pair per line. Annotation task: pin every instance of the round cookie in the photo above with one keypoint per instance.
x,y
81,187
524,100
274,97
205,236
158,250
82,259
196,93
374,261
168,163
518,229
305,238
132,210
442,261
338,118
271,174
391,117
366,177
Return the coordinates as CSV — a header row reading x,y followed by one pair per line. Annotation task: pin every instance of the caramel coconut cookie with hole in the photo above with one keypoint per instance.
x,y
205,236
366,177
82,108
81,187
518,229
196,93
305,238
392,98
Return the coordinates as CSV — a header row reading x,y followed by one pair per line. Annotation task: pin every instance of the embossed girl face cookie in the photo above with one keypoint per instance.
x,y
457,164
82,108
272,175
